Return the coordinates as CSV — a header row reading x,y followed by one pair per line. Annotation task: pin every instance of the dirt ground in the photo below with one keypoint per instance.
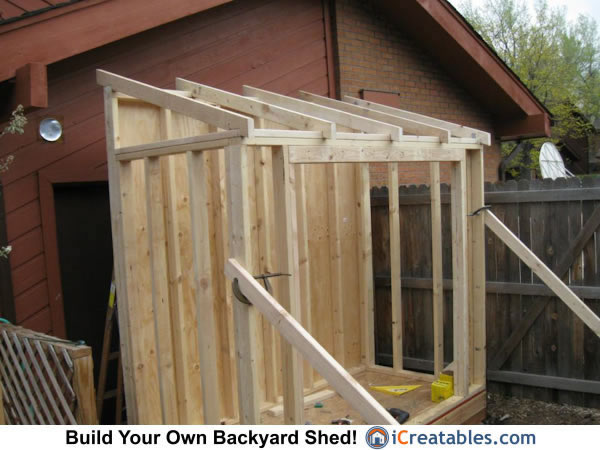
x,y
517,411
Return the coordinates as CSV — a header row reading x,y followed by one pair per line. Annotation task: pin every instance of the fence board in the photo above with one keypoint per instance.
x,y
551,218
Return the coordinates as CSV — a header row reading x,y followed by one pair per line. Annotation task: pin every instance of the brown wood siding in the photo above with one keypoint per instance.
x,y
276,45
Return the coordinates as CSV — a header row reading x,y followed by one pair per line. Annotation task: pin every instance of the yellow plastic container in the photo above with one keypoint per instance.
x,y
442,388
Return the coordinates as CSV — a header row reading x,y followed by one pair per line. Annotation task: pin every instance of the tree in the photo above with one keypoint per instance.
x,y
16,125
559,61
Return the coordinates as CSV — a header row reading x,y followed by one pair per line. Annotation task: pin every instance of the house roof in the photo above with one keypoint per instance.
x,y
13,10
473,64
46,31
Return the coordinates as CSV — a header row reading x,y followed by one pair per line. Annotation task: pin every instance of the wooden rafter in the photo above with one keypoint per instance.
x,y
456,130
335,115
408,125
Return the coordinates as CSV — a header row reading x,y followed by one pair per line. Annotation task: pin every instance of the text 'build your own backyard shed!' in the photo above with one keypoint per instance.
x,y
209,189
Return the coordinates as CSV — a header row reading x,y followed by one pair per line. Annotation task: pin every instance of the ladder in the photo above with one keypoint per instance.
x,y
102,395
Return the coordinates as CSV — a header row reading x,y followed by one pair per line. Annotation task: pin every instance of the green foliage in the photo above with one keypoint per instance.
x,y
16,125
559,61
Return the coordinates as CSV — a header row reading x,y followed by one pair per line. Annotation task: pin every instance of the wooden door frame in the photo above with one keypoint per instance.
x,y
47,178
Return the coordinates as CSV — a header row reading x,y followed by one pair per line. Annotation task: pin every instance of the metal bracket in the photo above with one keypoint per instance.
x,y
235,287
477,211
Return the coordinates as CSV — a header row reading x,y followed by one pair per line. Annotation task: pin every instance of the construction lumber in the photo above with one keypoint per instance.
x,y
315,354
208,141
289,287
309,401
311,154
157,237
436,267
395,268
456,130
365,261
111,113
236,158
408,126
460,278
205,308
543,272
477,281
83,384
334,115
257,108
210,114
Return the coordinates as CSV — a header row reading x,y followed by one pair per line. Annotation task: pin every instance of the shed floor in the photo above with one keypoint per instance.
x,y
336,407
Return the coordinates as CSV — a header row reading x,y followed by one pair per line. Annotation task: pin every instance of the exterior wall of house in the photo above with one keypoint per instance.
x,y
278,46
375,54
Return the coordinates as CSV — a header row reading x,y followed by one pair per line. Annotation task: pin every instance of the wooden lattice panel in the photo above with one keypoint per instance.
x,y
44,380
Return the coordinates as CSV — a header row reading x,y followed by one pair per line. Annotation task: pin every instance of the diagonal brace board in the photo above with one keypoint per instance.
x,y
246,105
206,113
313,352
543,272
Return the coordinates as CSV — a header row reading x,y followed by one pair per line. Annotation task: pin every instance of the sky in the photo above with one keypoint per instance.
x,y
574,7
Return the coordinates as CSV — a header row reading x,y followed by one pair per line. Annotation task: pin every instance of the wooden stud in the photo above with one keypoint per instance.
x,y
304,261
460,278
541,270
244,315
287,250
335,262
437,272
395,264
365,260
265,223
111,114
205,308
477,266
157,238
338,378
83,384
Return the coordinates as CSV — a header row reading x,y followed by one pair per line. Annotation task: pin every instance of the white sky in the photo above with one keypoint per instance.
x,y
574,7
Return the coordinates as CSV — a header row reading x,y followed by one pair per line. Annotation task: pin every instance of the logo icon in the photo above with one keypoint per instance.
x,y
377,437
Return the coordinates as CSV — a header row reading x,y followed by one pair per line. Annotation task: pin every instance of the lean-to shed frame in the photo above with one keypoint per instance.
x,y
159,145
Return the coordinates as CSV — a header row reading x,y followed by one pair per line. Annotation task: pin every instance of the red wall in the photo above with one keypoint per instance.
x,y
276,45
376,54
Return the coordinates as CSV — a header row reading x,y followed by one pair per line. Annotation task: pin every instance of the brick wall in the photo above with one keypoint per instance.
x,y
376,54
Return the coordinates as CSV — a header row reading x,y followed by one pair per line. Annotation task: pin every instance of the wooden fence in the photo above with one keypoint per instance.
x,y
44,380
536,346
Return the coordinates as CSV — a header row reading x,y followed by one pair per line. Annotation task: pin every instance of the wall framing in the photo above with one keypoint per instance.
x,y
203,125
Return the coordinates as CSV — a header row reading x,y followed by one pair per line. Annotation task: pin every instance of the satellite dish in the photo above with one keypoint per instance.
x,y
50,129
551,163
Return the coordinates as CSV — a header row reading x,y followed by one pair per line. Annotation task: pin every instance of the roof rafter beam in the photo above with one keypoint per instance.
x,y
212,115
455,129
334,115
408,125
258,108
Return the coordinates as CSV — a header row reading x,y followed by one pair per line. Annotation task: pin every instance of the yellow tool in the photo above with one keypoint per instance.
x,y
395,390
442,388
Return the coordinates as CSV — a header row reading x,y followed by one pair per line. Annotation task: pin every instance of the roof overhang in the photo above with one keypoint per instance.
x,y
59,33
446,35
